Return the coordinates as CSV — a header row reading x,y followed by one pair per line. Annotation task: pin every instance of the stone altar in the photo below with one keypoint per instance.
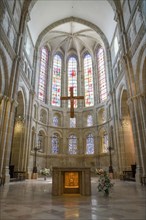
x,y
71,180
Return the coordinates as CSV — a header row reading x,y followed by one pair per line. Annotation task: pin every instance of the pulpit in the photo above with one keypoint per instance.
x,y
71,180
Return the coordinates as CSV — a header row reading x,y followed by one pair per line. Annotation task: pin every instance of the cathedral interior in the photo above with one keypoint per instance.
x,y
72,86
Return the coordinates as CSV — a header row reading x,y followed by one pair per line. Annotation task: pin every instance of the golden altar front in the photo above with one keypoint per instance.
x,y
72,180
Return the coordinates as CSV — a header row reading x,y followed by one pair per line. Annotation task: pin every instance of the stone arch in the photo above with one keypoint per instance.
x,y
101,116
65,20
43,116
20,110
41,140
23,92
119,97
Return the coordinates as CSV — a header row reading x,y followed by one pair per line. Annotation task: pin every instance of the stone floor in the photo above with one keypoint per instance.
x,y
32,200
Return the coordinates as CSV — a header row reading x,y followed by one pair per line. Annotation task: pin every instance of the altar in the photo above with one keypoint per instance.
x,y
71,180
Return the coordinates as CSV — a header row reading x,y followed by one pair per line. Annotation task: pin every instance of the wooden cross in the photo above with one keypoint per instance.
x,y
71,98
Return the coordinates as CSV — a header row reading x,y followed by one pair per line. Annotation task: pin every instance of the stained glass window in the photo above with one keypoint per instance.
x,y
105,142
89,120
72,144
56,81
55,120
90,144
43,74
72,122
101,75
55,144
88,81
72,78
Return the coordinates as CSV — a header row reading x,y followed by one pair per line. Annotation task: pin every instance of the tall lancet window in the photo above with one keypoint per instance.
x,y
43,74
72,78
90,144
88,81
72,144
101,75
56,81
55,144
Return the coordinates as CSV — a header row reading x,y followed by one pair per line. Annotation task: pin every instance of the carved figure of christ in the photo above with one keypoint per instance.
x,y
71,98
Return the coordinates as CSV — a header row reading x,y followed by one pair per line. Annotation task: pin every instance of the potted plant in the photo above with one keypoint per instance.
x,y
45,172
104,182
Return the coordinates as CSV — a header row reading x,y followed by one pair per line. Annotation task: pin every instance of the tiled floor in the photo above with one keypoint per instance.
x,y
32,200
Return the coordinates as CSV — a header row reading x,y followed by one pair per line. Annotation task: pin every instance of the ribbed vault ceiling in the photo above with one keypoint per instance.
x,y
72,34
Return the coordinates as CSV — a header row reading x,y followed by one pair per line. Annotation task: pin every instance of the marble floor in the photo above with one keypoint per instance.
x,y
32,200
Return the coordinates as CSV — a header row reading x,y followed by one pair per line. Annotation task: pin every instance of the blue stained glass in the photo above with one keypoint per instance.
x,y
89,120
90,144
55,120
55,144
72,144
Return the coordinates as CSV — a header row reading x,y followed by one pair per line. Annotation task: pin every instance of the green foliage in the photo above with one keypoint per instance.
x,y
104,181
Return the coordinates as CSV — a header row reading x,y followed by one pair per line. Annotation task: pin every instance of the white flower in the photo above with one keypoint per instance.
x,y
45,172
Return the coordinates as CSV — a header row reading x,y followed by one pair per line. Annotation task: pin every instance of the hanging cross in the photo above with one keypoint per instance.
x,y
71,98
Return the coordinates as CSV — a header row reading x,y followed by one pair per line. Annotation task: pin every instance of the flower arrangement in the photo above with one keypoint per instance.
x,y
45,172
104,181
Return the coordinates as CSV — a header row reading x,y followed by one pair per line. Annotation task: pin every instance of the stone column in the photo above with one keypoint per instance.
x,y
28,131
2,111
6,138
137,108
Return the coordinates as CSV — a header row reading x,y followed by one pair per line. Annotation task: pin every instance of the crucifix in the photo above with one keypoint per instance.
x,y
71,98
